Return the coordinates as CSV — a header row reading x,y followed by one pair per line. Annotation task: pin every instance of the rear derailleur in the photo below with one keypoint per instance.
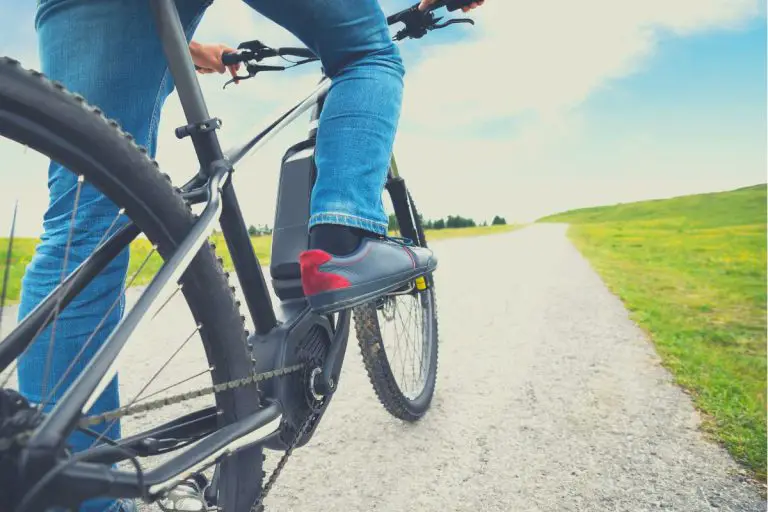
x,y
17,419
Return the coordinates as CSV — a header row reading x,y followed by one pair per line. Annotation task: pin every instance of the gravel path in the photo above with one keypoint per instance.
x,y
549,398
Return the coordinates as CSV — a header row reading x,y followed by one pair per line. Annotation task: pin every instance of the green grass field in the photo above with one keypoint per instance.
x,y
23,249
692,272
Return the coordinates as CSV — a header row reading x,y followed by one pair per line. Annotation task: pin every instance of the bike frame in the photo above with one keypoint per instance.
x,y
85,476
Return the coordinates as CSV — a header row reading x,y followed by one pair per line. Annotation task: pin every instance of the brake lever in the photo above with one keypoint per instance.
x,y
418,23
451,22
253,69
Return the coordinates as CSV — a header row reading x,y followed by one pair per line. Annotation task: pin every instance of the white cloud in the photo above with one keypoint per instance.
x,y
550,55
537,62
533,61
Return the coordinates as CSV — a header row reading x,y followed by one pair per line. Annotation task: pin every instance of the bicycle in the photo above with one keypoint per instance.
x,y
272,387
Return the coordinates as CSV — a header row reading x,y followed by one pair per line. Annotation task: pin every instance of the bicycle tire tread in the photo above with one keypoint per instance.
x,y
377,365
205,267
375,359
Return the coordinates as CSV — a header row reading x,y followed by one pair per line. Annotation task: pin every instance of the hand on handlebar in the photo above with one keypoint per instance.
x,y
426,3
208,58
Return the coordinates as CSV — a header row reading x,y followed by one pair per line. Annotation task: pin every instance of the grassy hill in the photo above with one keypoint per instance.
x,y
744,206
692,272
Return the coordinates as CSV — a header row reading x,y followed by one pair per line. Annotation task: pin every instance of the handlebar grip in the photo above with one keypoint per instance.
x,y
453,5
229,59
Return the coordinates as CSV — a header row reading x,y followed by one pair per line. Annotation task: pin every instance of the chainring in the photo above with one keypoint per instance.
x,y
294,392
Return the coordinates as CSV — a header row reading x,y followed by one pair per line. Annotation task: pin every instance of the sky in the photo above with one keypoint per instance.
x,y
540,107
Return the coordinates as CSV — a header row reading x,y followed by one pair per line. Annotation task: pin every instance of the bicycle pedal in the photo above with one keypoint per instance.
x,y
188,496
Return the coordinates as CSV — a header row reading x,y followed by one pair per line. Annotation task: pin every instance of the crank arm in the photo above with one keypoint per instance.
x,y
329,377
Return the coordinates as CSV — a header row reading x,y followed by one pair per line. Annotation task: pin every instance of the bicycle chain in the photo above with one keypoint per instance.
x,y
22,437
259,505
131,410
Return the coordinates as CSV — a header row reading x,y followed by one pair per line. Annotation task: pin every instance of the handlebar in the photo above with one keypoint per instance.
x,y
254,50
417,24
262,52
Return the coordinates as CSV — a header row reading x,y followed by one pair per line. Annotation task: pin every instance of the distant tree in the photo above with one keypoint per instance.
x,y
457,221
252,231
484,224
498,221
438,224
429,225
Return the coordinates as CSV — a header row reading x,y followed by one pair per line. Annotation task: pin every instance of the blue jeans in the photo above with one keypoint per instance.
x,y
108,51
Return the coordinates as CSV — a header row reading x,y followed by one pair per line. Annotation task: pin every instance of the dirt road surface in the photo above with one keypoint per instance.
x,y
548,399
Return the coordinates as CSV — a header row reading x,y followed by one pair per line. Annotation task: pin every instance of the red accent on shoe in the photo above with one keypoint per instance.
x,y
314,280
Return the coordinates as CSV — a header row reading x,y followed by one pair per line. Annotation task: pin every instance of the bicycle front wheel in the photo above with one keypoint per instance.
x,y
39,114
397,333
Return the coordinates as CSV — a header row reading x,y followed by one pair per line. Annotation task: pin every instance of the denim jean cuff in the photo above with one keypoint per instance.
x,y
348,220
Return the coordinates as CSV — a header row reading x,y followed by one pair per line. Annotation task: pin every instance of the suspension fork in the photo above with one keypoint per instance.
x,y
404,211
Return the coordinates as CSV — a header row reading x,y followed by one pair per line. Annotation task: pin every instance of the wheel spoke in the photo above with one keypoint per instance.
x,y
414,332
162,306
397,343
52,342
149,382
404,331
409,363
208,370
7,270
412,321
419,331
44,324
79,355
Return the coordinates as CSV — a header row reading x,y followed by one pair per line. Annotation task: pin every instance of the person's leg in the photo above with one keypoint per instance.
x,y
108,52
357,126
348,262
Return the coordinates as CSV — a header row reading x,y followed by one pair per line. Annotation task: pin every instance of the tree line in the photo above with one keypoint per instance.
x,y
452,221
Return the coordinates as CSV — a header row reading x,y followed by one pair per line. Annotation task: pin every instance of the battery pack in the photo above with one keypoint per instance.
x,y
290,235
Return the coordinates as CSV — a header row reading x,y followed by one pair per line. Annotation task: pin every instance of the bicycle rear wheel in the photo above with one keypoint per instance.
x,y
41,115
398,333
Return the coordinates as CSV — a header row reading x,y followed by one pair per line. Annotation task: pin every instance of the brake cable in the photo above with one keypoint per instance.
x,y
250,52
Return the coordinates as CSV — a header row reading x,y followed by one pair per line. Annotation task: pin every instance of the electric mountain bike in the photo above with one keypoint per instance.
x,y
266,390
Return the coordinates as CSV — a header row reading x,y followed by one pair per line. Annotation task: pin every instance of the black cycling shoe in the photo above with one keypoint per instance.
x,y
380,265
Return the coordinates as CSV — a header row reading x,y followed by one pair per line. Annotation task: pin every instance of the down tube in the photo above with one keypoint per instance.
x,y
247,267
246,264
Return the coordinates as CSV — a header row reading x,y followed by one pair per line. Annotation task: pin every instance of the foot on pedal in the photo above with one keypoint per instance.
x,y
378,266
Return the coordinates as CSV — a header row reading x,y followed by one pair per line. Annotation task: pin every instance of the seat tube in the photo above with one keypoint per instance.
x,y
181,68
